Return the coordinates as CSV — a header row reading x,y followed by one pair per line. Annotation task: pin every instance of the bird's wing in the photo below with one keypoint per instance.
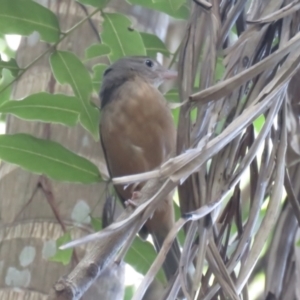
x,y
137,130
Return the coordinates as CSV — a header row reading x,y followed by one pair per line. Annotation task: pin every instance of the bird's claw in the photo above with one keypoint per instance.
x,y
132,201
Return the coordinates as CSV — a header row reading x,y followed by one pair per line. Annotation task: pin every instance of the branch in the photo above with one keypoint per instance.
x,y
109,242
64,35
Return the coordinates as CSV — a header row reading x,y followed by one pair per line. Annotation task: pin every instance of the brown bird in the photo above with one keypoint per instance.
x,y
138,135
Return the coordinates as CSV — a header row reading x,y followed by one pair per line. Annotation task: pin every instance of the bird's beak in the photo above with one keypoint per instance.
x,y
169,74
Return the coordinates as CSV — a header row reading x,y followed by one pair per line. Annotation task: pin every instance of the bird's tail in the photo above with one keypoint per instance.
x,y
171,262
159,226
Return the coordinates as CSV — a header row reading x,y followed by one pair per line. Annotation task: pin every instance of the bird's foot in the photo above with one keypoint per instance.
x,y
136,195
133,201
130,202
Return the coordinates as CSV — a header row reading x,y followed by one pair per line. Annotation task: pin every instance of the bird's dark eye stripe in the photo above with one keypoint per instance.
x,y
149,63
107,71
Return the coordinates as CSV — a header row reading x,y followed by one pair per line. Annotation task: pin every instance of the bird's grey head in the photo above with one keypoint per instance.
x,y
148,68
127,68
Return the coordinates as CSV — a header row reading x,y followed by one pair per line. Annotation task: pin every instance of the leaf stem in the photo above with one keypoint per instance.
x,y
64,35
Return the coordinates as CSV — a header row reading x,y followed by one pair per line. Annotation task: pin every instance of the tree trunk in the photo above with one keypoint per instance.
x,y
36,211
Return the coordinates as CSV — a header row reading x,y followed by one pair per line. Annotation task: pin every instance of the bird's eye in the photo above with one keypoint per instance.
x,y
149,63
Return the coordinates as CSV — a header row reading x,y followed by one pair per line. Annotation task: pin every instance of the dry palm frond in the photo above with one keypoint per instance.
x,y
231,178
259,66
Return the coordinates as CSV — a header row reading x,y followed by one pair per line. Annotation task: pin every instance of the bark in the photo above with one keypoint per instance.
x,y
36,211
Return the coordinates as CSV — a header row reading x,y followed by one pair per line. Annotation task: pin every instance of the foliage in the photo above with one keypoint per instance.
x,y
47,157
118,39
141,255
232,133
63,256
67,68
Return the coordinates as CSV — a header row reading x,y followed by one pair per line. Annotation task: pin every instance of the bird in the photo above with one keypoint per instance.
x,y
138,134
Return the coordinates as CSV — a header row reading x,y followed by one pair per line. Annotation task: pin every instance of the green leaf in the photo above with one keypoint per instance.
x,y
95,3
141,255
47,157
129,292
25,16
96,50
6,79
175,113
45,107
122,40
96,223
98,71
163,6
175,4
259,123
193,114
154,45
63,256
67,68
10,65
3,44
172,95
